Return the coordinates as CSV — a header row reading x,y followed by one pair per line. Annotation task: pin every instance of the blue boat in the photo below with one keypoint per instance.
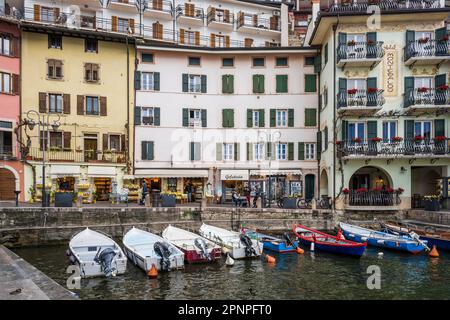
x,y
273,243
382,239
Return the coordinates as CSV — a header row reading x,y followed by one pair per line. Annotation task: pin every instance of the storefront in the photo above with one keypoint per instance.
x,y
233,180
282,182
101,179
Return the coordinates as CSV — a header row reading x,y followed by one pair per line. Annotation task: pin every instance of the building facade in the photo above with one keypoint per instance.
x,y
384,101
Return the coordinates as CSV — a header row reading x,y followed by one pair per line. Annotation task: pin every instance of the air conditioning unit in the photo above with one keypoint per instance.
x,y
276,13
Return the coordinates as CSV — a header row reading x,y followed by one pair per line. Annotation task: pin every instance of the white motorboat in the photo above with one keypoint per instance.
x,y
96,254
196,248
145,249
238,245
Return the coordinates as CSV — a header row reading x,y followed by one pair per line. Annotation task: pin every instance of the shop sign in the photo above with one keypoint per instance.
x,y
234,175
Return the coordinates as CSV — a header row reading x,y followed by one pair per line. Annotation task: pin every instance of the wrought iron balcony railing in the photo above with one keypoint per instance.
x,y
160,5
254,21
427,48
361,98
220,16
360,50
427,97
80,156
190,12
384,5
390,147
372,198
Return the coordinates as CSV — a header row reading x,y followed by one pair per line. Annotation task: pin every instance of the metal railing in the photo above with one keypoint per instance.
x,y
423,48
372,198
427,97
69,155
391,147
360,50
160,5
361,98
6,151
130,2
196,13
219,16
248,20
384,5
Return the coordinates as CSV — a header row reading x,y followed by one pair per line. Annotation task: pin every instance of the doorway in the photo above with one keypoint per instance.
x,y
309,186
90,147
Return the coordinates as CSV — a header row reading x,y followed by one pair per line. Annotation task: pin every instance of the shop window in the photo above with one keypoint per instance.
x,y
91,72
55,103
172,184
114,142
92,105
54,69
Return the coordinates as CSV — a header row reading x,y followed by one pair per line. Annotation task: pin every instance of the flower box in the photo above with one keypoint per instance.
x,y
361,190
397,139
439,138
444,38
422,89
377,139
443,87
345,191
351,43
372,90
370,42
338,143
358,140
390,190
418,138
423,40
352,91
376,189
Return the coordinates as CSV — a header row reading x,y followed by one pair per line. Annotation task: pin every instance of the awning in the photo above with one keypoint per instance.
x,y
64,171
277,172
234,175
101,172
171,173
128,177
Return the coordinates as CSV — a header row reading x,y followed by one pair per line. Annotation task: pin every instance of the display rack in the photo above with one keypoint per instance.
x,y
133,192
84,190
103,188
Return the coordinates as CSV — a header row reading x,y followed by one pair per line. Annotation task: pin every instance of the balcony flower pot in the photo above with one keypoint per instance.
x,y
338,143
397,139
423,40
345,191
376,139
372,90
361,190
439,138
422,89
352,91
443,87
390,190
289,203
357,140
418,138
444,38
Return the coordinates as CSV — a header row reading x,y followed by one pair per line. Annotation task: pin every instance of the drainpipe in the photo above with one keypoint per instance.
x,y
127,157
318,128
134,127
334,114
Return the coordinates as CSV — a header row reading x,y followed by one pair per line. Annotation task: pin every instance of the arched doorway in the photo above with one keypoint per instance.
x,y
371,186
370,177
309,186
7,185
324,183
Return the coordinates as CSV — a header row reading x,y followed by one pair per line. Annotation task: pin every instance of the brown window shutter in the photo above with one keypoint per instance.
x,y
157,30
226,16
114,22
255,20
103,106
67,138
273,23
42,102
157,4
189,9
16,47
132,25
197,38
240,19
211,14
66,103
122,141
15,84
56,14
181,35
213,40
80,105
227,41
248,42
37,12
105,141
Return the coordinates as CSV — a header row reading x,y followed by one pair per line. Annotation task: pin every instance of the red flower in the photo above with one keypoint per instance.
x,y
361,190
445,38
338,143
372,90
422,89
400,190
418,138
376,189
377,139
358,140
423,40
390,190
370,42
396,139
439,138
351,43
345,191
443,87
352,91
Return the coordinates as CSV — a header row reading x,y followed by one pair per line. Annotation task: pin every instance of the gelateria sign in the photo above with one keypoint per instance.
x,y
234,175
390,71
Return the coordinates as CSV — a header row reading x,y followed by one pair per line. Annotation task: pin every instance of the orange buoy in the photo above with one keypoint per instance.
x,y
434,253
270,259
300,250
153,272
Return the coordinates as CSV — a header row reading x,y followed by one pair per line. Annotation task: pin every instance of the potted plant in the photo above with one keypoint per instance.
x,y
422,89
361,190
376,139
390,190
397,139
352,91
444,87
423,40
357,140
444,38
351,43
431,203
439,138
338,143
345,191
418,138
372,90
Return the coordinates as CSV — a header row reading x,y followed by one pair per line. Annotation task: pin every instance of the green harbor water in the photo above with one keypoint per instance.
x,y
313,275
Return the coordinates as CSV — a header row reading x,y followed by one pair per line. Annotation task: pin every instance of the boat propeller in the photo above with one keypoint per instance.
x,y
247,242
203,247
163,250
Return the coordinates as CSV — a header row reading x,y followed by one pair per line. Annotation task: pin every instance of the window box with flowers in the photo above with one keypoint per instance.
x,y
423,40
422,89
418,138
351,43
361,190
444,87
439,138
376,139
338,143
390,190
372,90
357,140
444,38
431,203
397,139
352,91
345,191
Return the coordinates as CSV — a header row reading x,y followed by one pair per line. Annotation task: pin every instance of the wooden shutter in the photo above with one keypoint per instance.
x,y
319,145
310,83
273,114
66,103
344,130
342,95
371,44
137,116
218,151
80,105
237,151
409,90
248,42
114,22
156,81
181,35
240,19
123,144
249,151
261,118
157,115
157,30
439,127
342,38
249,118
157,4
37,12
55,14
105,141
255,20
227,41
409,129
310,117
144,153
281,83
371,129
317,64
103,111
185,82
15,84
191,151
67,139
273,23
204,118
16,46
42,102
226,16
137,80
290,117
255,83
301,151
440,80
290,151
371,96
213,40
197,38
185,119
131,23
211,14
189,9
203,83
151,150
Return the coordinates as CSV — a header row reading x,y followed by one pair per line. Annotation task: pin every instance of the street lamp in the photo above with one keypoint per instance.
x,y
271,138
43,122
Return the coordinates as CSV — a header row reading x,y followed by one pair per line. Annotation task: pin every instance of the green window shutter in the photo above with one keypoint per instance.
x,y
156,81
137,80
144,153
441,48
290,117
319,145
249,118
342,38
301,151
344,130
261,83
440,80
409,90
231,118
325,133
439,127
224,118
310,117
261,118
203,83
224,83
281,83
410,37
290,151
371,129
151,151
258,83
310,83
185,117
326,53
191,151
371,37
157,113
204,118
268,150
249,151
147,152
255,83
317,64
230,83
185,82
371,96
218,151
137,116
409,129
228,118
273,117
237,151
342,95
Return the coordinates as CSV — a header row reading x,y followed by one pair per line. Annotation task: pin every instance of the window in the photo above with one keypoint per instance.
x,y
91,45
6,141
422,129
259,62
194,61
147,116
148,57
228,151
5,45
195,118
255,118
310,83
227,62
5,82
47,14
220,41
281,151
356,130
423,35
147,150
389,130
54,41
123,25
195,83
258,151
56,140
281,62
92,105
282,118
310,151
194,151
423,82
54,69
55,103
148,82
91,73
309,61
189,37
114,142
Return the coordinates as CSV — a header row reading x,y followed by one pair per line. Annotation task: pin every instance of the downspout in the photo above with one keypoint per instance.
x,y
318,127
334,117
128,108
134,91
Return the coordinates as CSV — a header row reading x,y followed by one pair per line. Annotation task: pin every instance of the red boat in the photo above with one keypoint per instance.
x,y
196,248
328,243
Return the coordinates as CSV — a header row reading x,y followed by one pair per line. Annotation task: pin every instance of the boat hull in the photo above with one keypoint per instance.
x,y
192,257
145,263
90,269
356,251
280,247
239,252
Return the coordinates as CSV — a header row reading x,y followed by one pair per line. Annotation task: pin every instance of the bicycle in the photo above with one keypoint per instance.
x,y
303,203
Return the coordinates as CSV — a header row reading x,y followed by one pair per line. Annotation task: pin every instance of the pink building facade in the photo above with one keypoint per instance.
x,y
11,168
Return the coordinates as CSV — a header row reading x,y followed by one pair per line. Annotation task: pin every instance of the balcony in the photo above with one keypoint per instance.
x,y
124,5
159,9
427,99
254,24
6,153
373,198
220,19
360,102
190,15
77,156
384,5
417,147
360,54
427,52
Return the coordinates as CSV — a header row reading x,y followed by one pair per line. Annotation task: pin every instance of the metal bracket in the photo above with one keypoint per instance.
x,y
412,65
411,161
433,161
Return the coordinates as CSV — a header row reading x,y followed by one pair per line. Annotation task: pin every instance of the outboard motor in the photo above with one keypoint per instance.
x,y
288,240
247,242
203,246
162,249
105,258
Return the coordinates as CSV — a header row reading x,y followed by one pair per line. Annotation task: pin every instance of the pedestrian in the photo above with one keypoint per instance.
x,y
188,190
247,194
256,197
144,192
235,198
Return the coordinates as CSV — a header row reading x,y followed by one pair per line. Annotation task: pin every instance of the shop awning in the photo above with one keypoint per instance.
x,y
171,173
101,172
64,171
278,172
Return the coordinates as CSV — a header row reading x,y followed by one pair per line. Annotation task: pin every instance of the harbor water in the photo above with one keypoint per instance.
x,y
313,275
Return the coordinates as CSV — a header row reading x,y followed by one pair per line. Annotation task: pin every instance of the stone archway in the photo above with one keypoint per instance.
x,y
323,183
370,177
